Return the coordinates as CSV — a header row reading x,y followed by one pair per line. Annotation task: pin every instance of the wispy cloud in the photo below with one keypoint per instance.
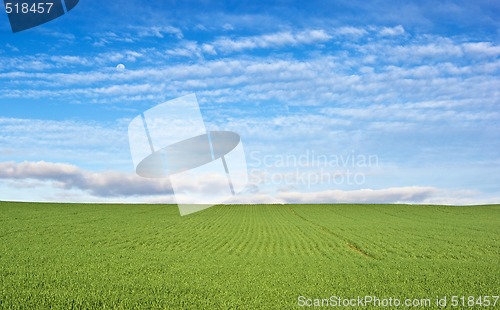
x,y
134,34
365,71
158,31
11,47
350,31
279,39
101,145
392,31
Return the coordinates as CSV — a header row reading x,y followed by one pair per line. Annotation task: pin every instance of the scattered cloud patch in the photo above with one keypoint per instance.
x,y
11,47
482,48
392,31
273,40
350,31
159,32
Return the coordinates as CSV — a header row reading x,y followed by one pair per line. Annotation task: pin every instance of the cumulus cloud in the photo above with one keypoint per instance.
x,y
103,184
482,48
108,184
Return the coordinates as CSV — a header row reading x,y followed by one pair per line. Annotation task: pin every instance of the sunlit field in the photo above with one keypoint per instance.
x,y
244,256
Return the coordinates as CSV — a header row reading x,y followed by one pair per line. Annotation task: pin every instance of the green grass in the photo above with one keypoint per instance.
x,y
67,256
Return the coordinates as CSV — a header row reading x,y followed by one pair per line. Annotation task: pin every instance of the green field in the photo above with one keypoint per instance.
x,y
243,257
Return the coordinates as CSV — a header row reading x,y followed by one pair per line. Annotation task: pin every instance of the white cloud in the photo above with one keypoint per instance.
x,y
388,195
228,27
11,47
135,34
101,145
156,31
415,53
209,49
323,81
187,49
70,183
403,71
482,48
392,31
273,40
350,31
65,60
65,176
313,36
392,195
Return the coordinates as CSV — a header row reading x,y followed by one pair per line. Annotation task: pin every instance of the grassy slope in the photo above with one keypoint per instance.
x,y
262,256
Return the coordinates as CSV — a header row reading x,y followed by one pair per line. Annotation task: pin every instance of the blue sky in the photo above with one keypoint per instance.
x,y
335,101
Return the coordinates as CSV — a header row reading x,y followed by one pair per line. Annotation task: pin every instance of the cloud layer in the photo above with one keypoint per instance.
x,y
110,186
65,176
